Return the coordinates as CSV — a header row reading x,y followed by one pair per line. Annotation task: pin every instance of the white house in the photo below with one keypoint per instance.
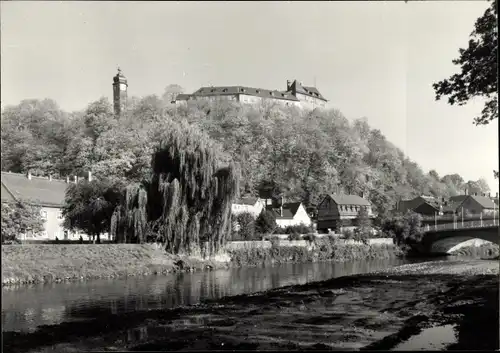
x,y
291,214
251,205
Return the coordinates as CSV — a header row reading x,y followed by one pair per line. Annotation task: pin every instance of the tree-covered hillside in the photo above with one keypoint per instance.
x,y
300,154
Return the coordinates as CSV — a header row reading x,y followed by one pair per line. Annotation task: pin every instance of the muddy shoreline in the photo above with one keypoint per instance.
x,y
371,311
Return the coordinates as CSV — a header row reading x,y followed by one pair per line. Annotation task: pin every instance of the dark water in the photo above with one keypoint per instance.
x,y
24,308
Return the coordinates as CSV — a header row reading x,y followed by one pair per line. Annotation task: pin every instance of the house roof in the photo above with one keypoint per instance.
x,y
484,201
289,210
42,191
308,91
246,201
342,199
232,90
182,97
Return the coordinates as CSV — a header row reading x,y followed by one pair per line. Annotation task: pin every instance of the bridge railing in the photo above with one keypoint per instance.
x,y
461,225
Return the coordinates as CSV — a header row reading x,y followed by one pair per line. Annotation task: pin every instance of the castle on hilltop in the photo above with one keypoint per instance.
x,y
295,95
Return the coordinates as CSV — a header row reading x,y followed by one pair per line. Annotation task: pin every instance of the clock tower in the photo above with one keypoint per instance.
x,y
119,93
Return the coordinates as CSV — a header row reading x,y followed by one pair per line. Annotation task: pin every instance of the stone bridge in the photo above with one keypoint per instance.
x,y
446,238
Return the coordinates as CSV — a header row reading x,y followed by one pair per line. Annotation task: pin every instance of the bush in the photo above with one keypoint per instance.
x,y
246,224
309,237
348,234
294,236
266,222
405,230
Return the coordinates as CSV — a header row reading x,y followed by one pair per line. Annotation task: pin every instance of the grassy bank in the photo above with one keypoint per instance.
x,y
31,263
22,264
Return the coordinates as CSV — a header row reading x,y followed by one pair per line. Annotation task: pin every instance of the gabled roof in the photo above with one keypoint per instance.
x,y
308,91
38,190
342,199
247,201
484,201
289,210
232,90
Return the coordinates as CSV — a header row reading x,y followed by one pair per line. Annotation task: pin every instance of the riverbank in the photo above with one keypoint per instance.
x,y
32,263
385,310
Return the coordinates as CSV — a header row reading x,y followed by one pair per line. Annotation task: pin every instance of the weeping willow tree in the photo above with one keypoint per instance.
x,y
187,200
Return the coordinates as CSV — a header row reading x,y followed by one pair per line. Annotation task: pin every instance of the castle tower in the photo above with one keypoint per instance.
x,y
119,92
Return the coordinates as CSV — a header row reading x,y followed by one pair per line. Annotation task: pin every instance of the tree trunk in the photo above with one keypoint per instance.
x,y
99,238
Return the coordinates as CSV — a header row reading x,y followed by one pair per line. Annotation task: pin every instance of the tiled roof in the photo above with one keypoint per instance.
x,y
289,210
246,201
38,190
232,90
341,199
483,201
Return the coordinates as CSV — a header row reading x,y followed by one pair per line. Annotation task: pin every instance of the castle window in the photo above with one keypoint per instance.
x,y
271,93
212,90
224,90
257,90
242,89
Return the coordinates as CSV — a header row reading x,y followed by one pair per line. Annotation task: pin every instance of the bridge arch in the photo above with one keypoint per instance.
x,y
447,241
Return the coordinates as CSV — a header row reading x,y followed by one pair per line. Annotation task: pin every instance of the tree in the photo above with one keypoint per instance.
x,y
90,205
266,222
363,229
187,197
246,224
406,230
479,69
20,218
171,92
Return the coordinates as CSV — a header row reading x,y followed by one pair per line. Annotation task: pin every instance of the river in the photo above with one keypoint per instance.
x,y
24,308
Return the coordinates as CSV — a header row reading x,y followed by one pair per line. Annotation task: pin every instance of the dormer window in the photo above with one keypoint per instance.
x,y
224,90
212,90
242,90
257,90
271,93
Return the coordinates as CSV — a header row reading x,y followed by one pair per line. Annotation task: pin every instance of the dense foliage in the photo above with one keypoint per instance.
x,y
187,197
265,222
89,206
479,69
246,226
19,218
406,230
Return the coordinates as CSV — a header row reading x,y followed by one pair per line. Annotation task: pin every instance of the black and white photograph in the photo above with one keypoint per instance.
x,y
249,175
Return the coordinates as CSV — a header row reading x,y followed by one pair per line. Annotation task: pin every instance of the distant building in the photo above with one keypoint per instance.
x,y
473,204
295,95
290,214
252,205
120,87
337,210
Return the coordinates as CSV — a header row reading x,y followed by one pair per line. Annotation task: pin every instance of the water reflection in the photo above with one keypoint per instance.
x,y
25,308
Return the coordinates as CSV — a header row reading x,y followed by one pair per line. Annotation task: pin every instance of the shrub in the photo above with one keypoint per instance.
x,y
298,229
294,236
246,224
405,230
266,222
348,234
19,218
309,237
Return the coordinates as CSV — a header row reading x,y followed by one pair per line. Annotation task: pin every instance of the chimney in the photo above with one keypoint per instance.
x,y
28,175
89,176
67,179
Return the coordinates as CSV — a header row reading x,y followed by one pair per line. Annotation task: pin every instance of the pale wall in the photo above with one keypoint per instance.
x,y
301,217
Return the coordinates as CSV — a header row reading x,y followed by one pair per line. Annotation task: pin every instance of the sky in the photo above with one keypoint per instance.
x,y
369,59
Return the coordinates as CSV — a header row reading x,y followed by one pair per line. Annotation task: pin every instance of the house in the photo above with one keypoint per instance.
x,y
473,204
295,95
425,204
290,214
338,210
253,205
46,192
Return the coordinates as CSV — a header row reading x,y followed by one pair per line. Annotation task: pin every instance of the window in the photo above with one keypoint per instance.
x,y
224,90
212,90
43,214
257,90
